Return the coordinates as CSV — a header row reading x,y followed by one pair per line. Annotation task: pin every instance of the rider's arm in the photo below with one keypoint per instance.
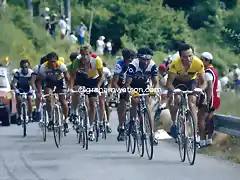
x,y
201,78
39,78
99,66
117,71
131,72
63,68
171,76
109,78
15,80
74,72
154,78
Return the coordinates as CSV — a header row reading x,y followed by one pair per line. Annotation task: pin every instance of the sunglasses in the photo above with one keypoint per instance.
x,y
145,56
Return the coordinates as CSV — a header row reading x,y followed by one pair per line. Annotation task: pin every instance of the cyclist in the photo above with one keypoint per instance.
x,y
87,71
107,81
54,74
184,70
21,84
34,85
140,73
118,82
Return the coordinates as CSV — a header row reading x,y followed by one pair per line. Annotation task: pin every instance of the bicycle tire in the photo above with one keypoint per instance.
x,y
148,129
45,120
104,133
57,127
191,160
86,120
96,126
132,140
139,136
24,118
181,140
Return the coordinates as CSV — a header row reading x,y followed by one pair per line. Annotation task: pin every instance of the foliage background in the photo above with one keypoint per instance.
x,y
210,25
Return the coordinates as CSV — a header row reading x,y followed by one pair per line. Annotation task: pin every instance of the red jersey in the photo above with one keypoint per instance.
x,y
215,98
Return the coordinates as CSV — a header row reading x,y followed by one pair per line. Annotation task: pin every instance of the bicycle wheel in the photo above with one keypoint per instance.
x,y
86,120
181,140
104,133
133,140
57,128
96,126
139,135
148,137
44,123
191,145
127,128
24,118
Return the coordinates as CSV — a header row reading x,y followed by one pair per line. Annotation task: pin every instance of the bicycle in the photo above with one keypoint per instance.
x,y
142,131
184,121
24,116
57,118
82,121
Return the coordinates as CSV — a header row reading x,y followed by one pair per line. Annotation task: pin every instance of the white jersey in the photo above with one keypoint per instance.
x,y
36,69
106,74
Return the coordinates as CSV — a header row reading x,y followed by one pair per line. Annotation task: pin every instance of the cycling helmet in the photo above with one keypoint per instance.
x,y
128,54
61,59
145,53
73,56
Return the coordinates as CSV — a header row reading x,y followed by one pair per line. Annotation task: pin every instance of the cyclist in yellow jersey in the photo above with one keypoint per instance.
x,y
55,75
182,75
87,71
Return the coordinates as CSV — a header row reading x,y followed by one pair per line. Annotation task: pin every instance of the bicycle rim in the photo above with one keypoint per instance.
x,y
181,136
148,134
56,127
132,140
139,136
24,116
44,126
191,139
127,128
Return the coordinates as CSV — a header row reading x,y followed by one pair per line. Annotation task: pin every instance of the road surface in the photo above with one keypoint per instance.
x,y
30,158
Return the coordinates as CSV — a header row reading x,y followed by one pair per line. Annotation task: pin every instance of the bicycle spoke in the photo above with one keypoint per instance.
x,y
181,136
148,134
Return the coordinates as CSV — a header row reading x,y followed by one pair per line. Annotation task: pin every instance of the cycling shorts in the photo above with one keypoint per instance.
x,y
24,90
186,85
91,84
60,85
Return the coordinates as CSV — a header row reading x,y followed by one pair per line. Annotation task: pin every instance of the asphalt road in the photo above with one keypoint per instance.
x,y
30,158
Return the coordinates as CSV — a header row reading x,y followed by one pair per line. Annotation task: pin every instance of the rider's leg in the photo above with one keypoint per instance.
x,y
49,102
18,105
193,109
101,107
202,115
92,108
30,107
64,105
121,109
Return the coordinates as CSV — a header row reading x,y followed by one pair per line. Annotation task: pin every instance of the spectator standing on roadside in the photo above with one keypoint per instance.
x,y
236,79
63,26
47,24
53,23
109,47
230,79
100,45
224,81
81,28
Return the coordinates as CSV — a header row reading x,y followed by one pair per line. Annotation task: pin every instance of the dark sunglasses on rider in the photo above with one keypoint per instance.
x,y
145,56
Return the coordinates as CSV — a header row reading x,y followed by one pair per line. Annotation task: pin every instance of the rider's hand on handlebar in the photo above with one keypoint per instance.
x,y
152,92
198,91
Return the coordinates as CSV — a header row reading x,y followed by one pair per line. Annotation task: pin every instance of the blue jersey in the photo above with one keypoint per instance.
x,y
120,70
141,78
23,80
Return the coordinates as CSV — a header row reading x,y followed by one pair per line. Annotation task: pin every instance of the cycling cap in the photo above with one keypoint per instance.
x,y
162,67
128,53
145,53
207,55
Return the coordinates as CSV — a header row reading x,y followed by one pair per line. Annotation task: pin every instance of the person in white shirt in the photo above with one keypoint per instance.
x,y
236,78
224,81
100,45
81,33
109,47
72,38
63,27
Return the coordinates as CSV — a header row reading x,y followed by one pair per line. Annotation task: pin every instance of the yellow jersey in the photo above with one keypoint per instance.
x,y
96,64
182,74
